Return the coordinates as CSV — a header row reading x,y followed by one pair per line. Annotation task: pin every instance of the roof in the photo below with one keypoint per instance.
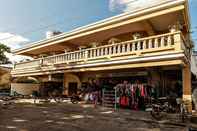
x,y
162,4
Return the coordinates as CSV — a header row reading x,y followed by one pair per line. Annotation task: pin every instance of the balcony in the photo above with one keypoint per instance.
x,y
150,46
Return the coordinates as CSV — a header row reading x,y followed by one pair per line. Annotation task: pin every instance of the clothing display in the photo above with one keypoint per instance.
x,y
133,96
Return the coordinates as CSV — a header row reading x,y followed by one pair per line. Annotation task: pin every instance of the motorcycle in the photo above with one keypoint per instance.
x,y
75,98
160,107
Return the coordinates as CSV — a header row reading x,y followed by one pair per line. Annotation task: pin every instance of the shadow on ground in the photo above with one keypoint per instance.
x,y
70,117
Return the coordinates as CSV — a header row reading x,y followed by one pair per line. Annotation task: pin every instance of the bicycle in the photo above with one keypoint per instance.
x,y
159,110
184,113
160,107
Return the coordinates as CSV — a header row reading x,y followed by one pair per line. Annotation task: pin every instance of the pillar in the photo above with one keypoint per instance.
x,y
187,89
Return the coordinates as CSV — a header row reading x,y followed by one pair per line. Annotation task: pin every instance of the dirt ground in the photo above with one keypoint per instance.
x,y
78,117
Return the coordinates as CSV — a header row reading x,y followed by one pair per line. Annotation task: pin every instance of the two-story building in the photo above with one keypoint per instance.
x,y
149,44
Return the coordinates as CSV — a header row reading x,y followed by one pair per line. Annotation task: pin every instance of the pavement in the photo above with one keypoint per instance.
x,y
81,117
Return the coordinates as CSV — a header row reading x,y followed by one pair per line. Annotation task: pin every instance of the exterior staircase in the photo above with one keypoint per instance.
x,y
109,98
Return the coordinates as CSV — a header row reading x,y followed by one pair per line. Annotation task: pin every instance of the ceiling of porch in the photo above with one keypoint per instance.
x,y
153,26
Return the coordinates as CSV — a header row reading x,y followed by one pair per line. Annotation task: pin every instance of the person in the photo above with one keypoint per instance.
x,y
194,97
179,89
95,92
172,96
88,91
35,95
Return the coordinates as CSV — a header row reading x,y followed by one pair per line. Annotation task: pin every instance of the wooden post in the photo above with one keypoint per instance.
x,y
187,91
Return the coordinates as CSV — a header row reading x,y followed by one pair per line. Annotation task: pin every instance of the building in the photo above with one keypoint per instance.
x,y
5,76
194,63
149,44
194,69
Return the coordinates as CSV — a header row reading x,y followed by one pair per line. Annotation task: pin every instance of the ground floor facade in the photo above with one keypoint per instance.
x,y
164,79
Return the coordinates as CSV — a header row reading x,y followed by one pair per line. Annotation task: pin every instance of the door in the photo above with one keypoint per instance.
x,y
72,88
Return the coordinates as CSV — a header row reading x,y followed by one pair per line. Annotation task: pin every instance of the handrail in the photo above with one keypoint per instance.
x,y
29,61
96,51
140,39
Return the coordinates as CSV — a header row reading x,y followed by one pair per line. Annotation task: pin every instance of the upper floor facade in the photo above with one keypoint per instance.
x,y
154,36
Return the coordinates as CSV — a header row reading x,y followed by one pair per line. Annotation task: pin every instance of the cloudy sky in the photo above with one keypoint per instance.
x,y
25,21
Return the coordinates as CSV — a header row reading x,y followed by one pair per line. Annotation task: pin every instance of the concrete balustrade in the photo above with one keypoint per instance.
x,y
173,41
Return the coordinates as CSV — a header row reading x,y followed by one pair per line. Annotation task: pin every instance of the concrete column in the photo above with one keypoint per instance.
x,y
187,89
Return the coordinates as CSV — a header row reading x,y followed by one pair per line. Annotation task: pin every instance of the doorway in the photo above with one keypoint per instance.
x,y
72,88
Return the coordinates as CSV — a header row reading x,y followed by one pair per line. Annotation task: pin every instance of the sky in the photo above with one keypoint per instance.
x,y
25,21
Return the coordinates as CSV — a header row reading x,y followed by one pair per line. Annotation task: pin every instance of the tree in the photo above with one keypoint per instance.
x,y
3,50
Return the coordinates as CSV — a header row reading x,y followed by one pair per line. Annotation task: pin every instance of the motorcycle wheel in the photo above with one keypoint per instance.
x,y
74,101
156,115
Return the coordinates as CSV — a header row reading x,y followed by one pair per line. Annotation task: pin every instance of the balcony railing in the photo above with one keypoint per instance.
x,y
160,43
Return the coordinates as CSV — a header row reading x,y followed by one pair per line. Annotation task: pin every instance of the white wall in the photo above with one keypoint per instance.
x,y
194,63
24,88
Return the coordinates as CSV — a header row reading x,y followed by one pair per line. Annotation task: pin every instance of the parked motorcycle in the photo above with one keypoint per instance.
x,y
75,98
160,107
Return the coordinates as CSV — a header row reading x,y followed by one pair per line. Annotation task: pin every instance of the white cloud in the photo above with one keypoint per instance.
x,y
13,41
130,5
16,58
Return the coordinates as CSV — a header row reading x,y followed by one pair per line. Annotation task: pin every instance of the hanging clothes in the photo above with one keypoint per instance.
x,y
133,96
124,101
142,91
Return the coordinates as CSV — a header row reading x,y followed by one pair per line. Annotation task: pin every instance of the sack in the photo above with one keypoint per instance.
x,y
91,97
117,100
86,98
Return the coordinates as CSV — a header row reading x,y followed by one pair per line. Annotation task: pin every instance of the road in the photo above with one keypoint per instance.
x,y
79,117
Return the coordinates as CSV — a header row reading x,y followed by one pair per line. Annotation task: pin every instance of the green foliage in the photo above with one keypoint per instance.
x,y
3,58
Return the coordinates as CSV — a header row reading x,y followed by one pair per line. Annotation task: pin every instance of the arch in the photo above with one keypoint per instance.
x,y
69,78
25,79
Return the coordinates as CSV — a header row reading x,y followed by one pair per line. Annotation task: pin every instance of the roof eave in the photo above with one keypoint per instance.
x,y
99,24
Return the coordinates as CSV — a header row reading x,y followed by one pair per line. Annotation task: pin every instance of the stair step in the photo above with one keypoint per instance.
x,y
112,95
109,102
108,105
109,91
108,98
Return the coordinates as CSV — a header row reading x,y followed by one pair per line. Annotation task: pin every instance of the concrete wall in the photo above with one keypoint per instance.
x,y
194,63
23,88
4,78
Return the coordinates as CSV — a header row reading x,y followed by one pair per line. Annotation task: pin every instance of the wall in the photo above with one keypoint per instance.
x,y
194,63
4,77
23,88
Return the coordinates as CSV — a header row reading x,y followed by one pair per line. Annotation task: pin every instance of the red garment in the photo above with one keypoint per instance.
x,y
124,101
142,91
